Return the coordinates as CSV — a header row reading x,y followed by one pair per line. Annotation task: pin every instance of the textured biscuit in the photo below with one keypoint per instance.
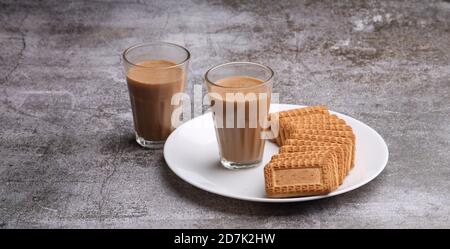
x,y
299,156
315,150
316,121
346,144
306,136
303,111
303,175
296,113
341,137
343,134
290,128
302,146
322,118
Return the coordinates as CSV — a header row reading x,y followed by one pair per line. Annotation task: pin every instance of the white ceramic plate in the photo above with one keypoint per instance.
x,y
191,152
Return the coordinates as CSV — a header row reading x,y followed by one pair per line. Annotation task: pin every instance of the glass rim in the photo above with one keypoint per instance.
x,y
143,44
265,82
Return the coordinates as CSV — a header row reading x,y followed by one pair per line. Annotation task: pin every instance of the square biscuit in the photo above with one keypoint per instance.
x,y
314,121
342,137
335,133
303,111
296,113
298,156
290,128
345,143
304,175
300,146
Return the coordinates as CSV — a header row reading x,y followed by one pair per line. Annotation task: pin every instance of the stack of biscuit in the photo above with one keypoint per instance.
x,y
317,150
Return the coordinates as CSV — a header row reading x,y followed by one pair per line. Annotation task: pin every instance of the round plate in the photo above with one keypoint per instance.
x,y
192,153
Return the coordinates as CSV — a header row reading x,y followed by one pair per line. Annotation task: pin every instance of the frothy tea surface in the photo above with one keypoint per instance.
x,y
239,82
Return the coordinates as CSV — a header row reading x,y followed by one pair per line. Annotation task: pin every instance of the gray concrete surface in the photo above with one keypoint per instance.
x,y
67,155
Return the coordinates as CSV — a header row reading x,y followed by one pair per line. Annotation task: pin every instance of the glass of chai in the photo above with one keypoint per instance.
x,y
155,72
239,93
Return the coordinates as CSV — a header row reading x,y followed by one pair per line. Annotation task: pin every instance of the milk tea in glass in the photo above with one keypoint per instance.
x,y
240,99
155,72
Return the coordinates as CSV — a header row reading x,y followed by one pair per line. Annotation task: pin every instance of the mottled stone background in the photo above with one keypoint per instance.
x,y
67,155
